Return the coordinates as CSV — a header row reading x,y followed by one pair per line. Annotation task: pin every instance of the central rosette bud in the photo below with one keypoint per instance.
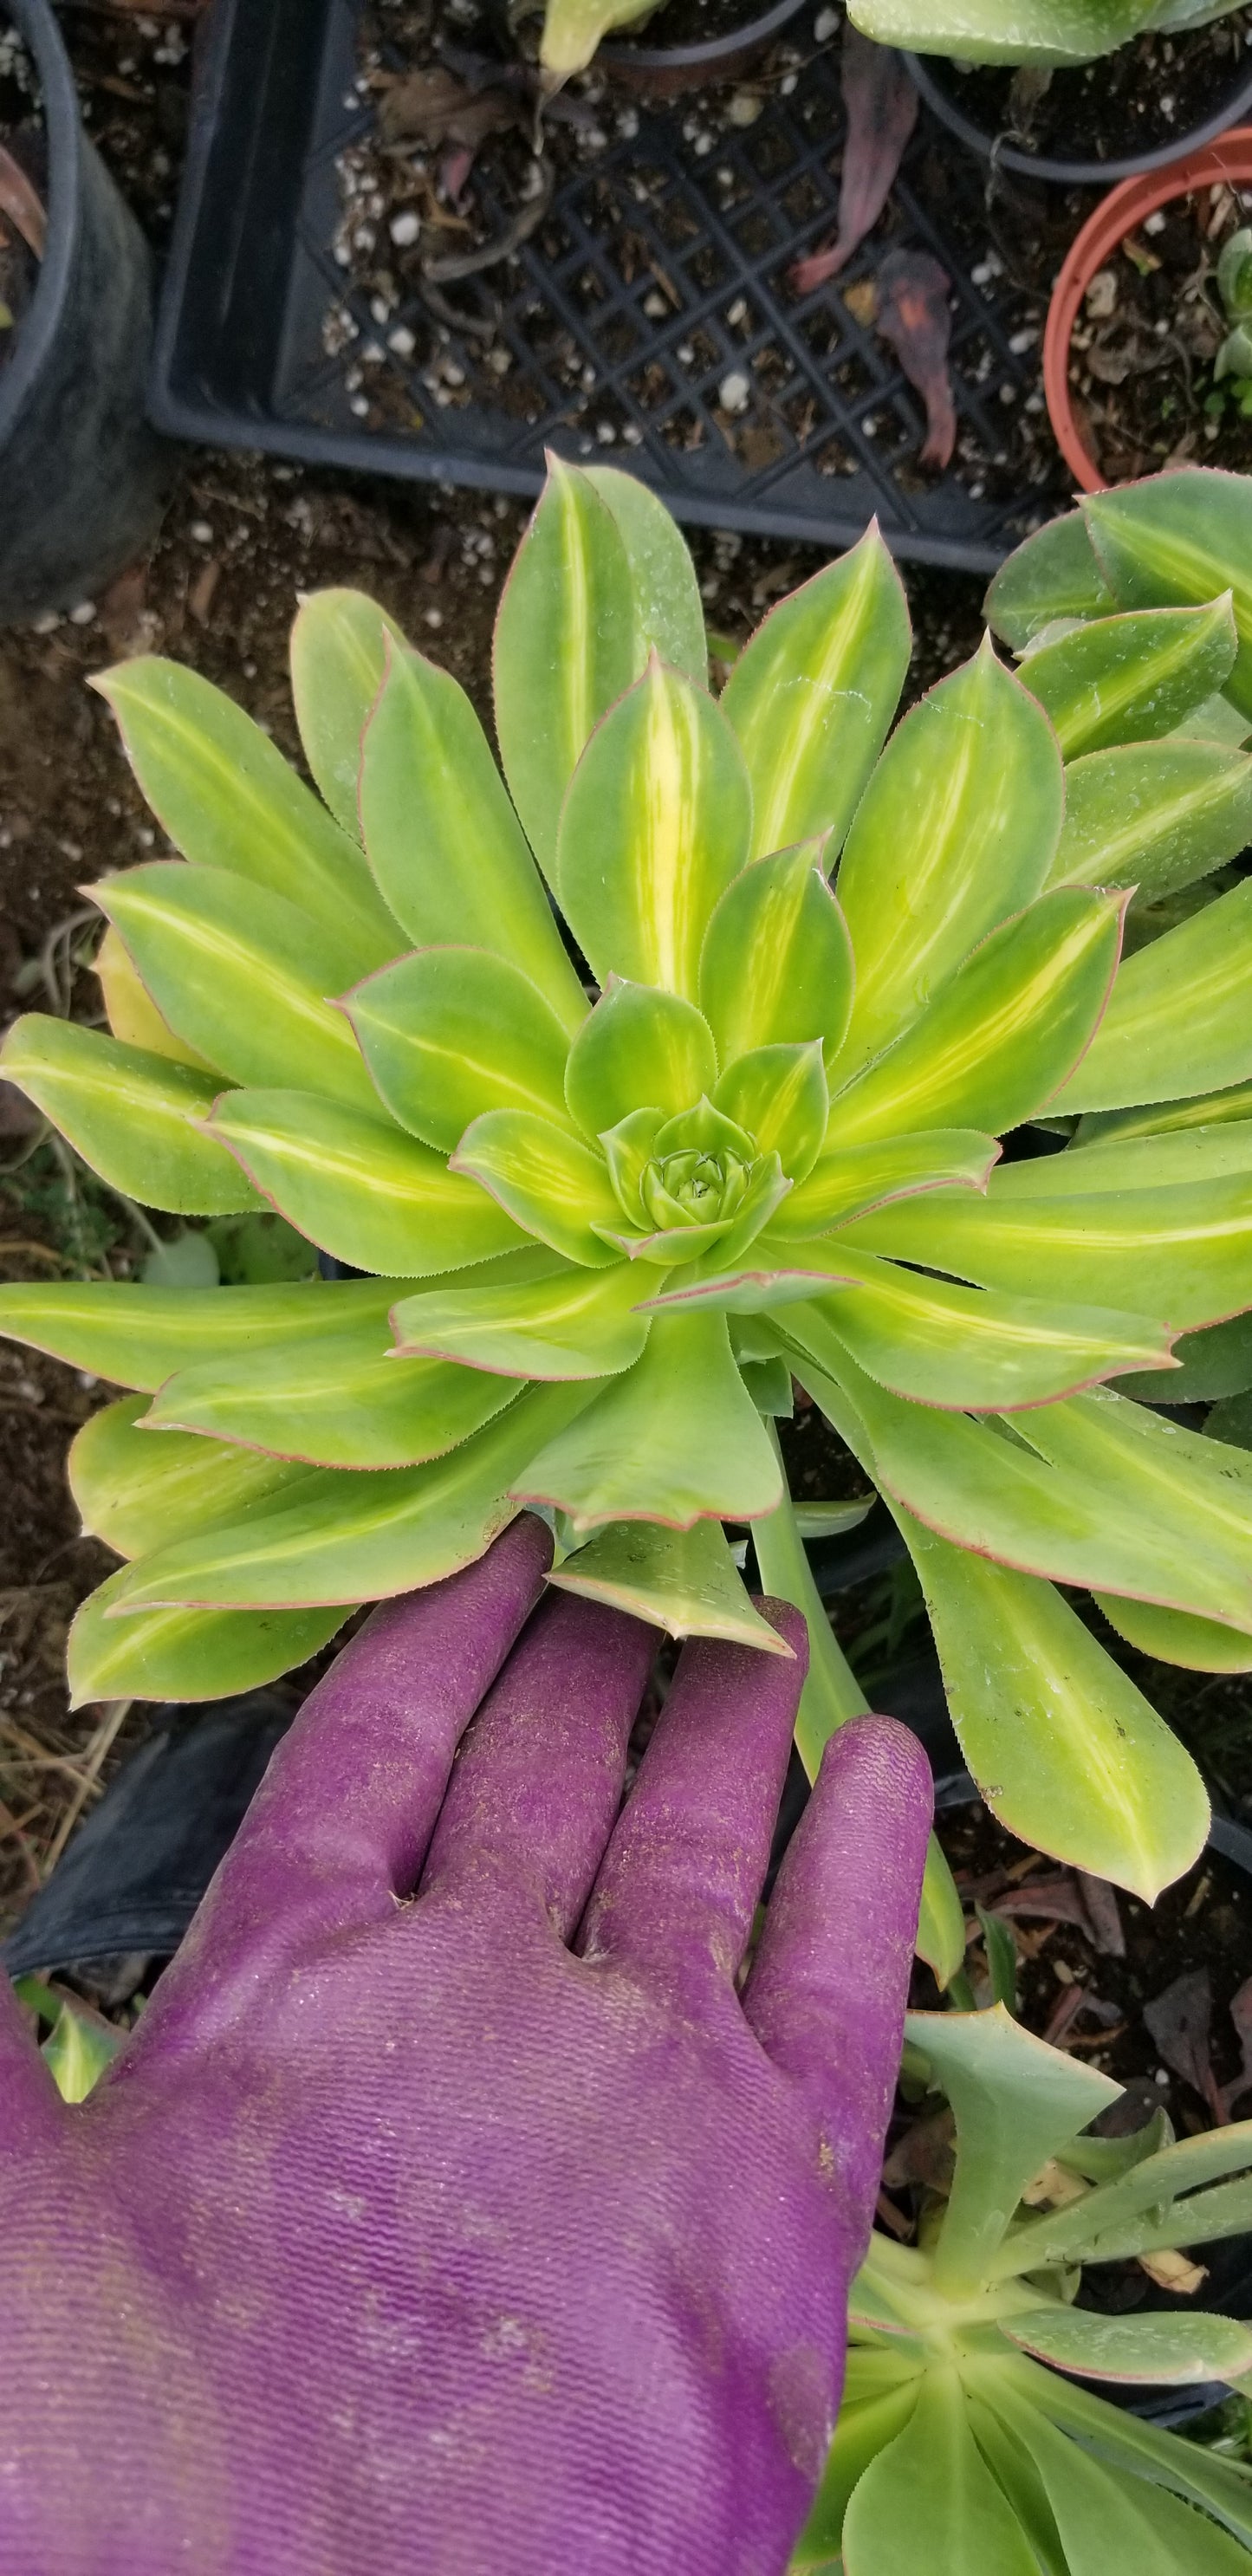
x,y
687,1183
693,1188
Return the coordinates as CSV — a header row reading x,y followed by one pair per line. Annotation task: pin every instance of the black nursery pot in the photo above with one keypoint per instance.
x,y
1229,110
666,71
83,477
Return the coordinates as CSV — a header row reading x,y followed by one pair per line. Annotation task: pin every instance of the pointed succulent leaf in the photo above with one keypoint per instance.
x,y
677,1439
135,1492
545,1179
1109,2523
1166,2351
779,1095
1211,1364
188,1654
684,1581
863,2430
1149,1465
656,823
1161,2196
962,1349
813,693
131,1012
628,1150
1065,1750
769,1384
956,831
1015,2101
574,29
669,616
229,801
1171,1637
933,2478
1003,1032
1133,678
566,647
361,1537
1215,721
361,1190
340,645
986,31
1166,1117
77,2053
1178,1017
637,1045
1053,574
847,1182
1187,1247
776,966
1115,1159
347,1402
137,1336
451,1032
1078,1491
1180,538
563,1322
129,1114
1222,2487
745,1292
241,973
443,840
1153,815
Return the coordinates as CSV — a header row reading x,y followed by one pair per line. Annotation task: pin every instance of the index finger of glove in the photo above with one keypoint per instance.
x,y
343,1817
830,1981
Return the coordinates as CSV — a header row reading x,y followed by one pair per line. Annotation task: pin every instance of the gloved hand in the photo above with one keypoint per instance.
x,y
491,2233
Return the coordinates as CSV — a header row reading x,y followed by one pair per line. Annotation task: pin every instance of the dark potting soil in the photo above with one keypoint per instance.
x,y
688,22
1142,351
1147,94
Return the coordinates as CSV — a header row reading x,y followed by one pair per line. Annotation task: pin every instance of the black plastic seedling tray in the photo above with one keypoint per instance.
x,y
255,304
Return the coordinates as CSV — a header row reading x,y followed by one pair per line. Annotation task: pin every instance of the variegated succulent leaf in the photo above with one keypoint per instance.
x,y
671,1068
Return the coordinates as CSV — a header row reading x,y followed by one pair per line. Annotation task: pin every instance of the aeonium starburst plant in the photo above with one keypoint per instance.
x,y
613,1190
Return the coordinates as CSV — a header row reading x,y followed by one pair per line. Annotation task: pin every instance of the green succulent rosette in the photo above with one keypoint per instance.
x,y
630,1120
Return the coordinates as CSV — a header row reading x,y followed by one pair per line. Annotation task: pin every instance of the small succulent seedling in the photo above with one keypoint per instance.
x,y
964,2446
612,1188
1234,286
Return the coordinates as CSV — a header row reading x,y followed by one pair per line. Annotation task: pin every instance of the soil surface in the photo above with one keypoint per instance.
x,y
1143,349
1146,95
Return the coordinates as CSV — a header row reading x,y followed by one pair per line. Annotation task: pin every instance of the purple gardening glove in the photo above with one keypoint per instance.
x,y
494,2233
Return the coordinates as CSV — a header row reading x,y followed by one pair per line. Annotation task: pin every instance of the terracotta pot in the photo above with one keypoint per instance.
x,y
665,71
1122,211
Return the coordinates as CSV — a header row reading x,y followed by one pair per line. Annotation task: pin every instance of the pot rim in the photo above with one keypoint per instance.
x,y
1124,207
1072,174
709,56
34,23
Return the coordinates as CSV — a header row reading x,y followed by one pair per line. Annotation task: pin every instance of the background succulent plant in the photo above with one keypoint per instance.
x,y
949,2423
615,1189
